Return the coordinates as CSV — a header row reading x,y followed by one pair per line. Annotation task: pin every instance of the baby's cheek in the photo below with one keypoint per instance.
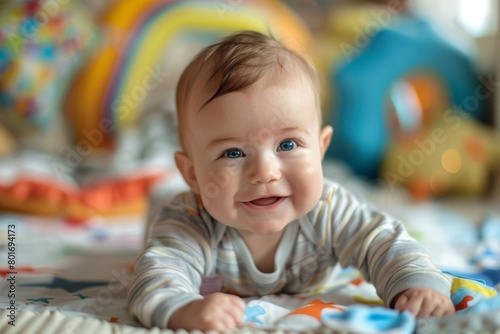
x,y
219,187
309,170
312,169
308,181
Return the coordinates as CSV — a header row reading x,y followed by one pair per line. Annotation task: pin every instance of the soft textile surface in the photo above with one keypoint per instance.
x,y
66,272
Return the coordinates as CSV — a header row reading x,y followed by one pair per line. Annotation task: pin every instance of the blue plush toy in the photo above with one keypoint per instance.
x,y
363,85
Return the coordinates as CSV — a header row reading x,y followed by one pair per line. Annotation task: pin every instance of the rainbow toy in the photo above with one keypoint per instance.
x,y
143,55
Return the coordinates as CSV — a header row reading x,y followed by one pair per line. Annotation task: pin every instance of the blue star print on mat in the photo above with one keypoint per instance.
x,y
69,286
251,314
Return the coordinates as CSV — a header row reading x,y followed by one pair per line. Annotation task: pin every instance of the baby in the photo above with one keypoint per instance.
x,y
259,215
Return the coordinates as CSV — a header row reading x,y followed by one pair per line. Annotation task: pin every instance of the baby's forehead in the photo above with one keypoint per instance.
x,y
207,80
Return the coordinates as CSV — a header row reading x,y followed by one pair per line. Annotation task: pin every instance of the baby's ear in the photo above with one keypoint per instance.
x,y
186,167
325,136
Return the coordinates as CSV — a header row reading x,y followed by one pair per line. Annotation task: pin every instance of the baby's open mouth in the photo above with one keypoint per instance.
x,y
265,201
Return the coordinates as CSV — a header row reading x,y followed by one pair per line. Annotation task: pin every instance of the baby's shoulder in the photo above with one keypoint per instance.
x,y
183,205
330,188
329,183
183,211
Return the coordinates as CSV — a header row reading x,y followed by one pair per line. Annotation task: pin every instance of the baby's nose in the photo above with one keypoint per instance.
x,y
264,168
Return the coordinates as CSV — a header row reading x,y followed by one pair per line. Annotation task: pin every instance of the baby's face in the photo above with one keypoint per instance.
x,y
257,154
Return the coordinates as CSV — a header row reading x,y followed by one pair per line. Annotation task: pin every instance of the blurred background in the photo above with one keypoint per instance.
x,y
87,114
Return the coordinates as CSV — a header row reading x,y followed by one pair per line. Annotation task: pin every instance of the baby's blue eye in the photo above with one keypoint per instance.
x,y
233,153
287,145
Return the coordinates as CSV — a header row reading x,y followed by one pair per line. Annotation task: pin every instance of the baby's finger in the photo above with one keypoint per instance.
x,y
225,319
427,308
235,309
402,303
444,309
236,316
238,303
412,305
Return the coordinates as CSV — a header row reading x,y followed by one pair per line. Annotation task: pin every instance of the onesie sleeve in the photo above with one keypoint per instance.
x,y
380,247
178,254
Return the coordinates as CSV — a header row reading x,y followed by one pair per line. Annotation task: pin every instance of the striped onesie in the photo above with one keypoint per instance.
x,y
185,244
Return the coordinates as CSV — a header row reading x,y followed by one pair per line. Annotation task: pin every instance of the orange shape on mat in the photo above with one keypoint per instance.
x,y
464,303
357,281
315,307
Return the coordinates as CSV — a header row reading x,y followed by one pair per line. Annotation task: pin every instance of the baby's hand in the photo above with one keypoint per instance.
x,y
423,302
217,311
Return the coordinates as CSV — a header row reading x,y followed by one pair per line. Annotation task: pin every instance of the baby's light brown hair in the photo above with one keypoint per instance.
x,y
236,62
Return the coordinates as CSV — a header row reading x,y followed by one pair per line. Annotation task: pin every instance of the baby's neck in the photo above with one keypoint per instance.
x,y
263,249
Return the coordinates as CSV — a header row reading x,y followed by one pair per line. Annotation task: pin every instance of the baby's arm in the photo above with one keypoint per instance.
x,y
218,311
168,275
424,302
387,256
